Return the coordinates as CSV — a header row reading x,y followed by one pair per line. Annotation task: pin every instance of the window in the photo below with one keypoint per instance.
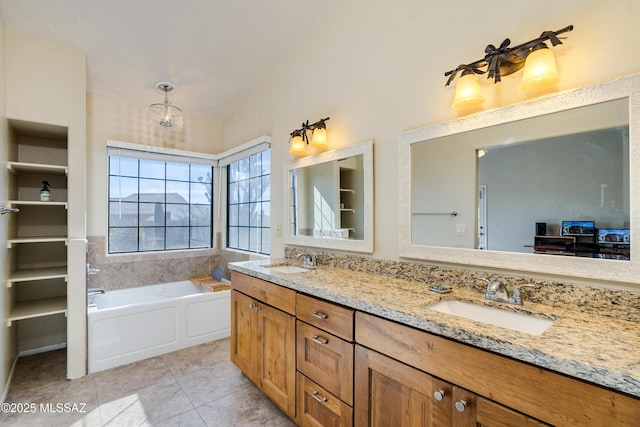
x,y
248,203
157,205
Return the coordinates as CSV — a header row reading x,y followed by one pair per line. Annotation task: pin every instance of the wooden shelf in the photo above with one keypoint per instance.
x,y
12,203
35,239
32,274
38,308
19,167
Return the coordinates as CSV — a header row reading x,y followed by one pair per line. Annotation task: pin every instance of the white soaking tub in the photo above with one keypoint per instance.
x,y
132,324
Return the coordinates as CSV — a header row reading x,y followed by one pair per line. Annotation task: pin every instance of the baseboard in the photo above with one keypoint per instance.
x,y
5,392
42,349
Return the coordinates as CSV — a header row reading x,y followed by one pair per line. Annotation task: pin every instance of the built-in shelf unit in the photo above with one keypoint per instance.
x,y
37,239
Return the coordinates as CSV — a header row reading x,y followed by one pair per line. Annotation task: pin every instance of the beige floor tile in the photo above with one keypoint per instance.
x,y
126,379
187,419
195,358
213,382
153,404
246,407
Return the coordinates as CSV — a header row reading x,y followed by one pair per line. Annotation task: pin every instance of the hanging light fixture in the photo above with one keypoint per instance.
x,y
299,139
164,116
535,56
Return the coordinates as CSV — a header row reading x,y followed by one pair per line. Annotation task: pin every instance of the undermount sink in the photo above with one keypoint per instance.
x,y
493,316
282,268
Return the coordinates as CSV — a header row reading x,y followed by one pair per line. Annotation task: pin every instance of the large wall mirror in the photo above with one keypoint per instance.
x,y
330,199
544,186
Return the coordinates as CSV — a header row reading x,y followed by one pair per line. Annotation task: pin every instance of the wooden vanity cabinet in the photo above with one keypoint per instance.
x,y
499,391
324,362
263,338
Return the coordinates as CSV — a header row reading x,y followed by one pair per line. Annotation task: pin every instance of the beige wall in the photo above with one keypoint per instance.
x,y
376,68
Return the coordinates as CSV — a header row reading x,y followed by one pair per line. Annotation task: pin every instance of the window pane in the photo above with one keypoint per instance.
x,y
243,238
200,193
201,215
200,237
254,161
152,239
151,214
177,237
243,191
266,214
152,169
200,173
243,214
254,214
123,240
232,172
178,171
254,239
232,193
266,188
123,188
177,215
265,243
177,192
266,162
243,168
151,190
123,166
256,189
123,214
233,215
232,236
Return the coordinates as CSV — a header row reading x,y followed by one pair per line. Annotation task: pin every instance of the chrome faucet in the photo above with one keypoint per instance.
x,y
309,260
95,291
497,291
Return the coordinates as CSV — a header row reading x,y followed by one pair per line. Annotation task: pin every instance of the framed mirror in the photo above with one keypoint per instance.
x,y
330,199
544,186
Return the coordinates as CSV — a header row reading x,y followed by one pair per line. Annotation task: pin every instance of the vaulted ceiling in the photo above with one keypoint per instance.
x,y
212,50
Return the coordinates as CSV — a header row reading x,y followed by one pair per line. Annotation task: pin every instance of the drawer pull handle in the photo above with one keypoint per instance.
x,y
319,315
254,307
318,398
320,340
438,394
461,405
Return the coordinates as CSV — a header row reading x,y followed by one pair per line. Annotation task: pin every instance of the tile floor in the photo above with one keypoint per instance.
x,y
197,386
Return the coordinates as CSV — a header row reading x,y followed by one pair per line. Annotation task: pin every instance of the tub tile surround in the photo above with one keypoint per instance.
x,y
141,269
597,347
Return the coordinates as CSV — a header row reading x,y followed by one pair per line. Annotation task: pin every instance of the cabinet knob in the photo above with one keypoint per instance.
x,y
461,405
438,394
320,340
252,306
319,314
318,397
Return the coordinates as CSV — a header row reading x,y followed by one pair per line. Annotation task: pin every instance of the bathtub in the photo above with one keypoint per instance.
x,y
133,324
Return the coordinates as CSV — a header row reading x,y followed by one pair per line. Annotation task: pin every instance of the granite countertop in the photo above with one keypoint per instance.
x,y
600,350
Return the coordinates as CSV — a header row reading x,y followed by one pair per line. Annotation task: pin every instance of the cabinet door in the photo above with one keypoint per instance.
x,y
390,393
277,357
244,335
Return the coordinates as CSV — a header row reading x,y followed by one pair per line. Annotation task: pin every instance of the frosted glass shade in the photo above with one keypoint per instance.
x,y
468,93
297,146
319,138
539,70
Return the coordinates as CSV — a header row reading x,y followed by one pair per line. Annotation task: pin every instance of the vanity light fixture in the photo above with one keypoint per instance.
x,y
299,139
535,56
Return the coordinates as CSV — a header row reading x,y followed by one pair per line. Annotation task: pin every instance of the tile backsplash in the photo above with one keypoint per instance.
x,y
613,303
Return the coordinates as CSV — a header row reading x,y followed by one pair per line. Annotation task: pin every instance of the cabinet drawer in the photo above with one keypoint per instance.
x,y
275,295
333,318
326,359
318,407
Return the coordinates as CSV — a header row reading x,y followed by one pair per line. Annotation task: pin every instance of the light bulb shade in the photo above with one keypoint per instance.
x,y
539,70
319,138
468,93
297,146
